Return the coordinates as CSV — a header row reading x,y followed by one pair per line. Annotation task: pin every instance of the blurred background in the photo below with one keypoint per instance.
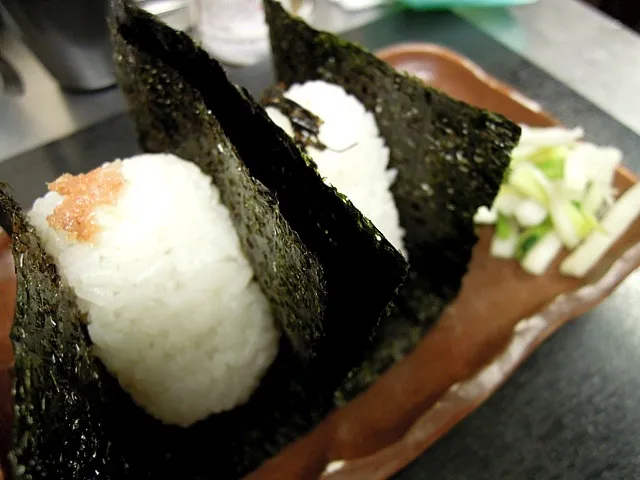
x,y
70,37
53,53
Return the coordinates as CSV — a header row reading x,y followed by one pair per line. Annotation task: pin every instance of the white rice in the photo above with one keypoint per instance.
x,y
356,159
172,306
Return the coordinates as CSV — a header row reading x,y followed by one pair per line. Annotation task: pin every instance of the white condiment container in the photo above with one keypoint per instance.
x,y
235,31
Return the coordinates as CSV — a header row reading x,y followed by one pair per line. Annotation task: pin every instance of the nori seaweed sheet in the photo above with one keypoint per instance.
x,y
72,418
450,157
305,125
170,116
87,427
90,427
73,421
59,415
317,257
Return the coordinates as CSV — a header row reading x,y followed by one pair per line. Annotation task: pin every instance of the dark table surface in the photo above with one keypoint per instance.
x,y
572,411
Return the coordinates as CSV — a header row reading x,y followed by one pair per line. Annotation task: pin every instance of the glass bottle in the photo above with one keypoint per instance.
x,y
235,32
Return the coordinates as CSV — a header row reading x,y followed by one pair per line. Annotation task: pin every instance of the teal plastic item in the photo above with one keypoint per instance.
x,y
440,4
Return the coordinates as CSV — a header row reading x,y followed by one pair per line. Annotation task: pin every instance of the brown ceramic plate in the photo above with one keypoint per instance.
x,y
500,316
476,345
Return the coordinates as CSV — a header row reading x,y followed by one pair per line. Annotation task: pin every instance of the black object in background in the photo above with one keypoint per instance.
x,y
11,81
627,11
71,39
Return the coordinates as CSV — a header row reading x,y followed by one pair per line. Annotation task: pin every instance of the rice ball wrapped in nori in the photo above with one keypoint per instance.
x,y
172,307
316,258
450,159
343,140
59,425
321,292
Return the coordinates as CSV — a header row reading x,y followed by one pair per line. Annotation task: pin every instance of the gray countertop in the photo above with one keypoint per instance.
x,y
597,57
45,113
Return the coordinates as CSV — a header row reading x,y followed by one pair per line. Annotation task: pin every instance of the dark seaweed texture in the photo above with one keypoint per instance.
x,y
306,125
171,117
226,446
317,259
59,424
328,273
72,418
450,158
73,421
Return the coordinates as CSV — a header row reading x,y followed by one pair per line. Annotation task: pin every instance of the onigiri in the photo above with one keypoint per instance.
x,y
172,307
355,159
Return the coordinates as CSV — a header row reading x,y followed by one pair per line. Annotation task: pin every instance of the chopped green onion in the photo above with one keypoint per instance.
x,y
549,136
507,203
530,213
505,239
485,216
571,222
506,189
556,190
529,181
594,198
530,237
504,248
537,260
602,164
550,161
617,220
552,168
576,167
522,152
590,223
504,227
544,154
